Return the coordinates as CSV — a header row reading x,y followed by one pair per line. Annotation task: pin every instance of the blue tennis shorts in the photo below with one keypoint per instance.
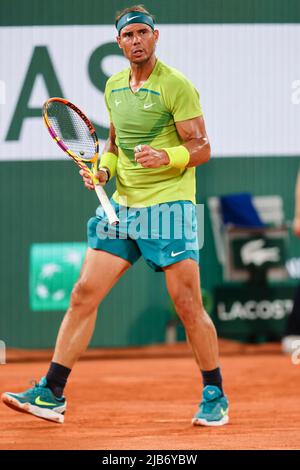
x,y
163,234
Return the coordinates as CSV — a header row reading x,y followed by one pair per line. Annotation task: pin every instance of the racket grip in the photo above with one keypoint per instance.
x,y
106,205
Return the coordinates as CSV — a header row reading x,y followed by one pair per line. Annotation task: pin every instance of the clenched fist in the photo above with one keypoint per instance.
x,y
149,157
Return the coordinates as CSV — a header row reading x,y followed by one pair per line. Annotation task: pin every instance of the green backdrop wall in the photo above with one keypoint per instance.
x,y
52,206
59,12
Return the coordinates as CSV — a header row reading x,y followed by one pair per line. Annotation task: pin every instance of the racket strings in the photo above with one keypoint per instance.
x,y
72,130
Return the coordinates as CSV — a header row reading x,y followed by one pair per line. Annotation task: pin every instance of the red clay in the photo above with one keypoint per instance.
x,y
147,402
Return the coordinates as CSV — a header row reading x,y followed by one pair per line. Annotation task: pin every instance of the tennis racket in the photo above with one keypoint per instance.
x,y
75,134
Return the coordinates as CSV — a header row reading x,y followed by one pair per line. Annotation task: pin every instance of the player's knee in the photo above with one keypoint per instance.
x,y
82,297
184,303
188,306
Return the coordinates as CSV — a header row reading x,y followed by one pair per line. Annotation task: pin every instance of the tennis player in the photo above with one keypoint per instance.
x,y
156,140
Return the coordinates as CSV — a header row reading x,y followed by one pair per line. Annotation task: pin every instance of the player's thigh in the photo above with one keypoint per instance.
x,y
99,273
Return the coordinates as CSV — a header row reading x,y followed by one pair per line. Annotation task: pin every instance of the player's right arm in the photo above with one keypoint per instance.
x,y
102,175
110,145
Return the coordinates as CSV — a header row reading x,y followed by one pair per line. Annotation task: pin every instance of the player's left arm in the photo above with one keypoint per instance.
x,y
193,134
194,138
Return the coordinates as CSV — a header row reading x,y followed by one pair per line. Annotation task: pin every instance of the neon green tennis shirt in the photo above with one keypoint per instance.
x,y
148,117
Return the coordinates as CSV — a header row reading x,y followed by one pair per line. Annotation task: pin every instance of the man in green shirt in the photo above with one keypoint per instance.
x,y
156,140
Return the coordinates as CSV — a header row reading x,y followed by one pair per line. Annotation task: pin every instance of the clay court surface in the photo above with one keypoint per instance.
x,y
145,399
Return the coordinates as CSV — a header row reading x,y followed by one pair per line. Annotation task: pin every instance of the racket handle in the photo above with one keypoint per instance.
x,y
106,205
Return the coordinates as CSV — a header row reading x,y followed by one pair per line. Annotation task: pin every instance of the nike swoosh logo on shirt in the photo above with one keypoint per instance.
x,y
176,254
38,401
146,106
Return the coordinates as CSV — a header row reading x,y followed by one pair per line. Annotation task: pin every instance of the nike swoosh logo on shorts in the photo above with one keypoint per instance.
x,y
38,401
176,254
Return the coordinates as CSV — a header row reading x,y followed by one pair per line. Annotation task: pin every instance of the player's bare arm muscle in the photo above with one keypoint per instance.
x,y
193,135
195,139
110,144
